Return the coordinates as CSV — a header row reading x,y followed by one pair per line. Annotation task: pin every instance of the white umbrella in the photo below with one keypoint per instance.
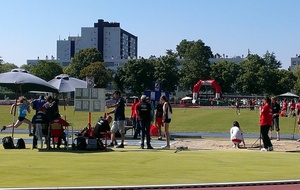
x,y
288,94
64,83
186,98
21,81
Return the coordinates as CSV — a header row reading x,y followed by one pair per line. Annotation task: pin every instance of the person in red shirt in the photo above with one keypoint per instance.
x,y
292,108
64,123
298,107
137,129
266,123
134,117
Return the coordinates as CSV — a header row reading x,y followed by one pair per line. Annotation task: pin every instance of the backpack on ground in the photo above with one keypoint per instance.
x,y
20,144
8,143
79,143
92,144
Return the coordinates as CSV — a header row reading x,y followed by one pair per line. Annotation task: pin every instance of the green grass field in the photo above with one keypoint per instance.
x,y
131,166
183,120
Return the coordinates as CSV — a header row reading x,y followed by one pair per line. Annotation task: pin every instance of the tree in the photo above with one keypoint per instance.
x,y
27,67
6,67
46,70
253,76
81,60
101,75
271,61
286,82
296,73
226,73
166,71
137,75
196,63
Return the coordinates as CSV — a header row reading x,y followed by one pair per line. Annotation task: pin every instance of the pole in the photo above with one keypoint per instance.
x,y
294,128
89,124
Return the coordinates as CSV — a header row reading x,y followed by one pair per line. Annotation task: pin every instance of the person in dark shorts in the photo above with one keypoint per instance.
x,y
23,109
167,111
275,115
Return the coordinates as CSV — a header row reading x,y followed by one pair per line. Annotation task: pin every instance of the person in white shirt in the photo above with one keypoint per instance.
x,y
236,135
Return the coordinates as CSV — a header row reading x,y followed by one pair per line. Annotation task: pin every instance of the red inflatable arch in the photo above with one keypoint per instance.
x,y
198,85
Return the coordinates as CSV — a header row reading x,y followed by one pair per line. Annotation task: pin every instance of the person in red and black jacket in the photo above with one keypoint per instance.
x,y
265,123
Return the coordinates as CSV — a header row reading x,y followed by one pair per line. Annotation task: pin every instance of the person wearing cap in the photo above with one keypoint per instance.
x,y
144,112
119,119
266,123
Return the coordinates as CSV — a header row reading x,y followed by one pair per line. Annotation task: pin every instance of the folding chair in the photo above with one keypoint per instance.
x,y
57,131
105,137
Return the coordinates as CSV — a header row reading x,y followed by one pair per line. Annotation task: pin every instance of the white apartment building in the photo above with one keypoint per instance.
x,y
113,43
295,61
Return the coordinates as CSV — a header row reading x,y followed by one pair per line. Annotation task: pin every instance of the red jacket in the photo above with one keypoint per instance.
x,y
266,115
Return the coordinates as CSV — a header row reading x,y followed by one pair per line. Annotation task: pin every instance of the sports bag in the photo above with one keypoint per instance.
x,y
92,144
20,144
8,142
79,143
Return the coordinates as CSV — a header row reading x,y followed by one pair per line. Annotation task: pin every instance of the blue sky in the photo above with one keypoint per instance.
x,y
31,28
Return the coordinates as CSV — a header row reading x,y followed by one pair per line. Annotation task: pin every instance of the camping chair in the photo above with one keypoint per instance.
x,y
42,130
105,137
56,132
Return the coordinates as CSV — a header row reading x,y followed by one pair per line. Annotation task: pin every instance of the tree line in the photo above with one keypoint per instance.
x,y
181,68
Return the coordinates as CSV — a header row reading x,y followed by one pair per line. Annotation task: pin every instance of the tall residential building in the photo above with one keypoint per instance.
x,y
109,38
115,44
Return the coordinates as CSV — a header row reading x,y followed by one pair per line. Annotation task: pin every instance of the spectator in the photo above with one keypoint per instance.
x,y
64,123
292,108
38,103
40,118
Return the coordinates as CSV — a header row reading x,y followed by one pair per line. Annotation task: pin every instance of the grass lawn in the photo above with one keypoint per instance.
x,y
131,166
183,120
32,168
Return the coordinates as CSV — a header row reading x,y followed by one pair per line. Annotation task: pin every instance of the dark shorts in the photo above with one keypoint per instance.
x,y
275,124
167,120
21,118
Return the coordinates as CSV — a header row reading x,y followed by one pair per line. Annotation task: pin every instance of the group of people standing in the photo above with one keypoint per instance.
x,y
46,112
144,114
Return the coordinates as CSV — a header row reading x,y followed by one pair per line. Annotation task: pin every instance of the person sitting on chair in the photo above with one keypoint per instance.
x,y
102,126
64,123
236,135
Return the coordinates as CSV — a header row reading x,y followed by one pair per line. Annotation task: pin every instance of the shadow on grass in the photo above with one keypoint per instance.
x,y
74,151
